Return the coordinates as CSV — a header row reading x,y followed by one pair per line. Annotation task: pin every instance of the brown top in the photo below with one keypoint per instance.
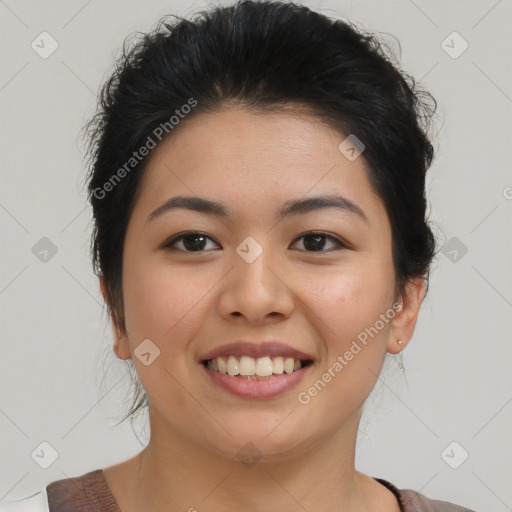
x,y
90,493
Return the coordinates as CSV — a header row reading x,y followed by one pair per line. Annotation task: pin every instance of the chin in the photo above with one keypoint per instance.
x,y
269,442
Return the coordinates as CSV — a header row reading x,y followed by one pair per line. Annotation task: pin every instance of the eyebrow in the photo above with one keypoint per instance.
x,y
289,208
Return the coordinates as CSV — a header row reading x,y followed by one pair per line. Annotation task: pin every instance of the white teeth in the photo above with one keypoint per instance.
x,y
251,368
264,366
233,366
278,365
288,365
222,365
247,366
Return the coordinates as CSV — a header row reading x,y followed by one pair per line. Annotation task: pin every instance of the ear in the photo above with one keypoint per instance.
x,y
121,343
404,322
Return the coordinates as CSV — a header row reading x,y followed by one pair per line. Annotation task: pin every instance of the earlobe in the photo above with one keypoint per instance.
x,y
404,322
122,347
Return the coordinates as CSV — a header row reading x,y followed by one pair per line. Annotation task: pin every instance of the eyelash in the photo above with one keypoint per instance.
x,y
169,244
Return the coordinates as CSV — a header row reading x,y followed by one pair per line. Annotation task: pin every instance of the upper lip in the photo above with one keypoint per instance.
x,y
255,350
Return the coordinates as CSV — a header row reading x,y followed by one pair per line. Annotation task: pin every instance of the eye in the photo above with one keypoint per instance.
x,y
191,241
195,241
315,241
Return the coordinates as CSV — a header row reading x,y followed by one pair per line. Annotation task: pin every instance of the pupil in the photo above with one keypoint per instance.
x,y
316,242
194,246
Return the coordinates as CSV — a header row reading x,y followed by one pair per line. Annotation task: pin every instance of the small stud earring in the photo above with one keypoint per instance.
x,y
401,360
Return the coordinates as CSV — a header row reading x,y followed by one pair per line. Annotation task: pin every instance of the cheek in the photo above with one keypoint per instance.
x,y
161,303
164,305
349,318
352,299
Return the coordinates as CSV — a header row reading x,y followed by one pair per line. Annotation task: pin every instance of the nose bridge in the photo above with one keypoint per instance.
x,y
253,262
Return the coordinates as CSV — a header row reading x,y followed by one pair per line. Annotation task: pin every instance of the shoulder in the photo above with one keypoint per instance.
x,y
413,501
416,502
35,503
80,493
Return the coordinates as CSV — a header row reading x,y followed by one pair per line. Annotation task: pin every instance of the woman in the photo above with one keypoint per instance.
x,y
258,190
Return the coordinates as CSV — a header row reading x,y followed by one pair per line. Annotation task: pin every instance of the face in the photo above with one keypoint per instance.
x,y
317,280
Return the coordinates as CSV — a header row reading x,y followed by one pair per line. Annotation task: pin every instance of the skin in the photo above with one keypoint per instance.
x,y
315,300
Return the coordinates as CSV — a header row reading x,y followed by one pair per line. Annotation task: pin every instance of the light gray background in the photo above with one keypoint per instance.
x,y
56,341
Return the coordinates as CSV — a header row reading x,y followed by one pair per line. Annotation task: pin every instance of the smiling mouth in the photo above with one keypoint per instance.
x,y
261,368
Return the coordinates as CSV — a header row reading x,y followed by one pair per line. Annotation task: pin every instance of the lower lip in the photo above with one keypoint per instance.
x,y
257,388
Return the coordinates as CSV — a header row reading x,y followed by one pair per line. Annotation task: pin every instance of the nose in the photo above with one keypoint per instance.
x,y
256,290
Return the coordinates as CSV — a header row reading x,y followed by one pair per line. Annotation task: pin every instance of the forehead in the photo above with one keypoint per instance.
x,y
253,160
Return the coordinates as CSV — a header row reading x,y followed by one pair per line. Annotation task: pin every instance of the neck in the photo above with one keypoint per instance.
x,y
172,473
